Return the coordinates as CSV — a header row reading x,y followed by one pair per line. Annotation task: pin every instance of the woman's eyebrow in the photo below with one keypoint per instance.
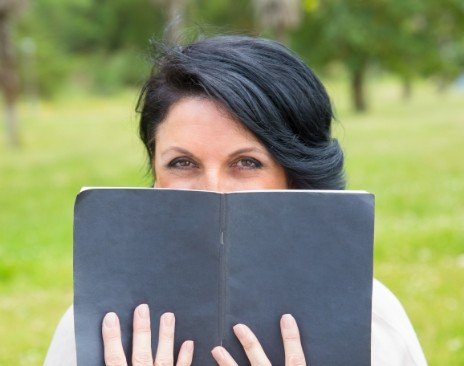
x,y
176,149
247,150
236,152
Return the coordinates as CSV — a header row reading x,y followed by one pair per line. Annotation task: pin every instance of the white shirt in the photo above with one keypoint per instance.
x,y
394,342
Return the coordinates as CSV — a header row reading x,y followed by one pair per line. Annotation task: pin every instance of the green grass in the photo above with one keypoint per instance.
x,y
411,155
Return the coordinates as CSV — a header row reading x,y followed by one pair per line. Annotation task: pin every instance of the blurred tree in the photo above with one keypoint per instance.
x,y
444,24
100,42
404,37
97,44
222,16
430,41
278,15
9,81
86,26
175,17
354,33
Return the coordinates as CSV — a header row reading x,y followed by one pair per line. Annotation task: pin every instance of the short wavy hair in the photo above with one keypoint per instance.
x,y
266,87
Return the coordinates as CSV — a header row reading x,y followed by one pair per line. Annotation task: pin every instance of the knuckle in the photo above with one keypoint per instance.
x,y
114,359
142,332
248,344
142,358
142,329
292,337
112,336
164,362
296,360
167,343
167,332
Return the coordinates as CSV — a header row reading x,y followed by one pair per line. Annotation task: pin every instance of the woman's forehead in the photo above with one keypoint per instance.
x,y
202,121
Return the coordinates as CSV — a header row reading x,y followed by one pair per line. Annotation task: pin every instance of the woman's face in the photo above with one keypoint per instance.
x,y
200,146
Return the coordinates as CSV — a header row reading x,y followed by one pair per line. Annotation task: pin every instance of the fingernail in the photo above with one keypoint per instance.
x,y
239,330
143,311
110,320
189,346
168,319
288,321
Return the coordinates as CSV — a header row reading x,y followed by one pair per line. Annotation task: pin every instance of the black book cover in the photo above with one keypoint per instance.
x,y
218,259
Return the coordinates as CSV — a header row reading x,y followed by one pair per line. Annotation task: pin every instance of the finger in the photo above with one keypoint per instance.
x,y
111,332
185,354
141,349
165,350
251,345
294,355
222,357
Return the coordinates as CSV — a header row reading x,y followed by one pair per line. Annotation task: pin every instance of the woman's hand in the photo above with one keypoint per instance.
x,y
294,355
141,343
142,353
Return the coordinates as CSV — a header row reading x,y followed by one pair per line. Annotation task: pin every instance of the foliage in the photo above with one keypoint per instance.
x,y
411,39
221,16
445,26
116,32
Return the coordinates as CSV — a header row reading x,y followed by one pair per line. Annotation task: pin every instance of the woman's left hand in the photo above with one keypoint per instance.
x,y
294,355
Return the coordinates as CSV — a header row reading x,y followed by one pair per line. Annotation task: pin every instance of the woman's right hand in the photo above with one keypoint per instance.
x,y
141,349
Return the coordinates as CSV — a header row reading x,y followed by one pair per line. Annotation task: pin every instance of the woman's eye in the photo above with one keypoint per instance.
x,y
248,163
181,164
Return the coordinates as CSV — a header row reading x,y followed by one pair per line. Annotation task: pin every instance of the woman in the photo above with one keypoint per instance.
x,y
239,113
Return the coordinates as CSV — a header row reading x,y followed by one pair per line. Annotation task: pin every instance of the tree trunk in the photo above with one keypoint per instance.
x,y
442,85
176,18
281,34
407,88
278,16
11,125
357,89
9,82
175,13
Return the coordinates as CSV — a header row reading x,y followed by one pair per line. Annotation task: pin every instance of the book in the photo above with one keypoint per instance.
x,y
218,259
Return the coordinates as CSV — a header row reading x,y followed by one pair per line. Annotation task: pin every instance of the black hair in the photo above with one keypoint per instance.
x,y
265,86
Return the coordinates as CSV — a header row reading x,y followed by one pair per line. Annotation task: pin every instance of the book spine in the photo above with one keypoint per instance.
x,y
222,268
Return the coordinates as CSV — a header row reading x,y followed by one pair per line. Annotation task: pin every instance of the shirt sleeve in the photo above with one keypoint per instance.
x,y
394,342
62,350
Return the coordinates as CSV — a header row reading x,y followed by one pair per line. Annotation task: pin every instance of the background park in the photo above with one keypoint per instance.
x,y
70,72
